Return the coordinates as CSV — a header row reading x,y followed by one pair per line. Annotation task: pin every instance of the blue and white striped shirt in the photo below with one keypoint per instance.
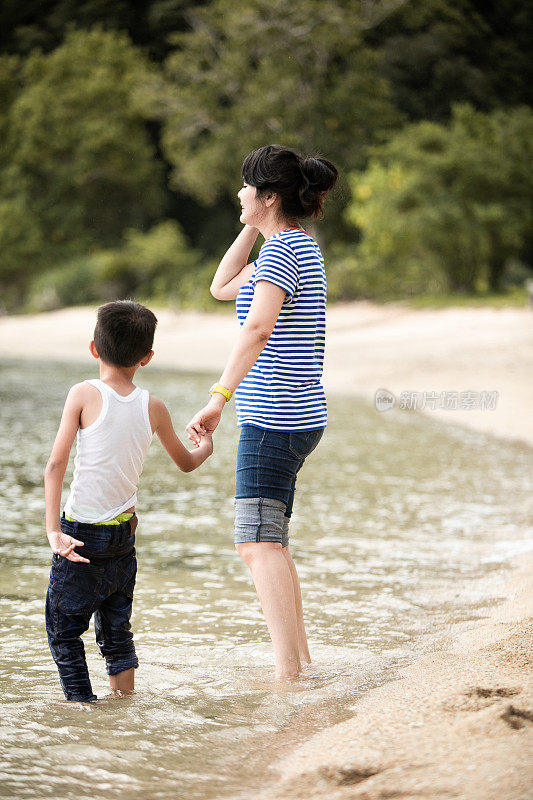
x,y
283,389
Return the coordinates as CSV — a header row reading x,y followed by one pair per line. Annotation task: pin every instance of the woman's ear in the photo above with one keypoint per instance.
x,y
270,199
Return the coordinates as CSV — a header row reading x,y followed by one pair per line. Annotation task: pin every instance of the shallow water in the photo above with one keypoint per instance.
x,y
402,525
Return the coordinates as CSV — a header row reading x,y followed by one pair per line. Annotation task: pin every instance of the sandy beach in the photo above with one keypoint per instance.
x,y
458,721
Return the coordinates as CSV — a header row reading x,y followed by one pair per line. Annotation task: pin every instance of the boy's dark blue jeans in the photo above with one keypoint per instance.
x,y
104,587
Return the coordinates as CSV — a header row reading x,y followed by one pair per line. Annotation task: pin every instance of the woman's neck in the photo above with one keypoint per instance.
x,y
271,227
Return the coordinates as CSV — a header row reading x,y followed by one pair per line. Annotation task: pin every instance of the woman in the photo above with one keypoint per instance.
x,y
276,363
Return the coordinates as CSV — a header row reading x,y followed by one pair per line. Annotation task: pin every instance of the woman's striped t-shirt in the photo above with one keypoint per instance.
x,y
283,389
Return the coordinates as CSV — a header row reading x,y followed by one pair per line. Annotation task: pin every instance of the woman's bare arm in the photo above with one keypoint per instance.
x,y
254,333
233,271
251,340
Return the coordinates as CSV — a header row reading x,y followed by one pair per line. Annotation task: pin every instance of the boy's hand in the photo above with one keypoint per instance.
x,y
206,444
63,545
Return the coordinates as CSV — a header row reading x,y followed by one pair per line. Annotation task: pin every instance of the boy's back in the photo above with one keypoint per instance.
x,y
110,455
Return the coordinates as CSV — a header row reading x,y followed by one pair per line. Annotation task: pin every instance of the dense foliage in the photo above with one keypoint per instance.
x,y
447,204
123,126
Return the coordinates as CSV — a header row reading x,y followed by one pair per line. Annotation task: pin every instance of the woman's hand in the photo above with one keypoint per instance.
x,y
206,420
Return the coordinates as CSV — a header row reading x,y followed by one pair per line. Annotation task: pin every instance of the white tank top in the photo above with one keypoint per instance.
x,y
109,456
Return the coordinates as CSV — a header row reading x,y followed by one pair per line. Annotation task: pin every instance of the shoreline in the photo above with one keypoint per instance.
x,y
369,347
456,722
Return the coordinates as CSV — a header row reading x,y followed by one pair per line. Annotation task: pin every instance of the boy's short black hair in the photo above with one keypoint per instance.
x,y
124,332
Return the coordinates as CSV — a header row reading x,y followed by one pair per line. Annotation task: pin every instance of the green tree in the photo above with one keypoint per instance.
x,y
248,75
156,265
436,53
33,23
150,264
453,201
76,163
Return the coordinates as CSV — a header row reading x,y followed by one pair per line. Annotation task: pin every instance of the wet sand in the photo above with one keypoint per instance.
x,y
458,721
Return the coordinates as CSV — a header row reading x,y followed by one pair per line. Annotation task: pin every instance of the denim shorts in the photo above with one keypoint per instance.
x,y
104,587
267,464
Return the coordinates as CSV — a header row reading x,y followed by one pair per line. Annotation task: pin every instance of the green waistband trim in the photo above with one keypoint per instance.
x,y
118,520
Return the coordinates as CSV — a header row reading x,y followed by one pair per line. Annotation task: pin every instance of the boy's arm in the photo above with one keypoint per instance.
x,y
54,473
161,423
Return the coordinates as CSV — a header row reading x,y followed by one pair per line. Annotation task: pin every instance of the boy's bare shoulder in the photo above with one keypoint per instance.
x,y
156,407
156,403
157,411
82,391
82,395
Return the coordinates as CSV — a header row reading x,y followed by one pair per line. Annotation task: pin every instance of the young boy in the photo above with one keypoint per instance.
x,y
94,566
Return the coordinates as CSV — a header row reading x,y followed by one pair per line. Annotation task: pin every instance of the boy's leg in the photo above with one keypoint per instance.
x,y
67,617
113,630
124,682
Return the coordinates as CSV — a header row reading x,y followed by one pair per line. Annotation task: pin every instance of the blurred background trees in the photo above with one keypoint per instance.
x,y
123,126
447,203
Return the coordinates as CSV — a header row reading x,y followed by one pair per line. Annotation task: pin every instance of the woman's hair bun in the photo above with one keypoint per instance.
x,y
319,176
301,183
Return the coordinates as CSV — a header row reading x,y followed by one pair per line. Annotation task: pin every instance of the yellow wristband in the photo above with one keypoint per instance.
x,y
216,387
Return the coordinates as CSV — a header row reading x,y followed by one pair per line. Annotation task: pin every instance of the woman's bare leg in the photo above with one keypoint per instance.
x,y
303,647
274,585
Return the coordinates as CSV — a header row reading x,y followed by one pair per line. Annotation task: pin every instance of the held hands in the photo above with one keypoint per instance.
x,y
206,444
205,421
63,545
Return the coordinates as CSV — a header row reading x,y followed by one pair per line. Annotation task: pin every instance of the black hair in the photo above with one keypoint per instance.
x,y
124,332
302,183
